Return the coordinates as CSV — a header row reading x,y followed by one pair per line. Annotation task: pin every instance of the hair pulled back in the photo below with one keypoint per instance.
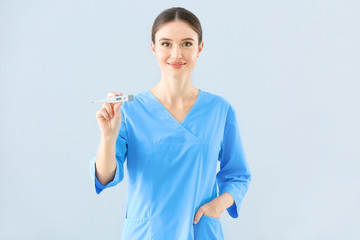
x,y
174,14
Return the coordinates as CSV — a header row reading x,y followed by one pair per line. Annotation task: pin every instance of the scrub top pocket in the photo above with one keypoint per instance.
x,y
136,229
208,228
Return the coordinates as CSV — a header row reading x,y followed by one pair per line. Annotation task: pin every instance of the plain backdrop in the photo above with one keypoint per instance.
x,y
289,68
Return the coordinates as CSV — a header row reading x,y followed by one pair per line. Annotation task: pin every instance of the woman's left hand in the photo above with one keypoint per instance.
x,y
213,209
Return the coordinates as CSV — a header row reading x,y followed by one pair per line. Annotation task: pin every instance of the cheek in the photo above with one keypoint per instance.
x,y
192,55
193,58
161,56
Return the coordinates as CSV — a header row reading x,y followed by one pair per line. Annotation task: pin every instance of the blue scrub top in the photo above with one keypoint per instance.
x,y
172,167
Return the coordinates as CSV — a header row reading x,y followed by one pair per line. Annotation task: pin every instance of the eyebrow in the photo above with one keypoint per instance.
x,y
181,39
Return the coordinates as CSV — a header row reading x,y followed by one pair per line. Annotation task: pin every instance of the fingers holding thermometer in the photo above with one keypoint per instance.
x,y
109,117
108,108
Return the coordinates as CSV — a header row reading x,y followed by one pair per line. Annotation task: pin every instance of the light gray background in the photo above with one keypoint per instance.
x,y
290,69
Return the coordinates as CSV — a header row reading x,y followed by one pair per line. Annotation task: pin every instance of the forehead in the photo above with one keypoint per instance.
x,y
176,30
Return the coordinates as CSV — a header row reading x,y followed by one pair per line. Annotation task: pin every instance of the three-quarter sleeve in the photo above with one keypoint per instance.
x,y
120,155
234,175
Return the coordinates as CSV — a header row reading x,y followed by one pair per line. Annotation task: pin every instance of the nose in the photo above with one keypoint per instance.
x,y
176,52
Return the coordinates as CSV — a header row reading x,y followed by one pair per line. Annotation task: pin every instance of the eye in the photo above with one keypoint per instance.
x,y
189,43
162,44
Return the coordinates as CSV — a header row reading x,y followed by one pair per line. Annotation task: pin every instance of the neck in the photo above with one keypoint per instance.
x,y
175,90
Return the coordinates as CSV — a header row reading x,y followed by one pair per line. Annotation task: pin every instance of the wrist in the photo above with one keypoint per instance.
x,y
108,138
225,201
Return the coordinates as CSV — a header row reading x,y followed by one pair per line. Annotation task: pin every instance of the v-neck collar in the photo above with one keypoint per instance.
x,y
169,114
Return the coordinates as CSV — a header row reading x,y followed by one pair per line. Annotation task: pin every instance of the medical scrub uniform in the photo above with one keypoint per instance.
x,y
172,167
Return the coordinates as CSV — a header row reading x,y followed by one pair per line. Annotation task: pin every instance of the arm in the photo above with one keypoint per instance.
x,y
234,176
105,164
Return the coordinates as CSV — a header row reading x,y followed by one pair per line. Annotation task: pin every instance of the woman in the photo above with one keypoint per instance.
x,y
172,136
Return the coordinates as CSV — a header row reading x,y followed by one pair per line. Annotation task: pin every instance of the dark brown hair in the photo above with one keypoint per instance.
x,y
174,14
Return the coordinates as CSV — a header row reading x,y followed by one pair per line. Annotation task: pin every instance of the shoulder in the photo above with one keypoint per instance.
x,y
222,106
216,100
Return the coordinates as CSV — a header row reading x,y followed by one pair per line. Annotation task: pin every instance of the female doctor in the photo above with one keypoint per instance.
x,y
172,137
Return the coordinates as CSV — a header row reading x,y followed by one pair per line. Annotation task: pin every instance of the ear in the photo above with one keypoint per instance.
x,y
152,45
201,46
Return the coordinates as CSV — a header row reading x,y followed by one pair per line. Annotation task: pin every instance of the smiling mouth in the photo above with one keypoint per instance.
x,y
177,64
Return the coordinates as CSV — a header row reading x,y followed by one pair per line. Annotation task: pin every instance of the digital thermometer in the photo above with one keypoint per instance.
x,y
124,98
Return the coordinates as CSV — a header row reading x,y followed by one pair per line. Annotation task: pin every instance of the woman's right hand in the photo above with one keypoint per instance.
x,y
109,118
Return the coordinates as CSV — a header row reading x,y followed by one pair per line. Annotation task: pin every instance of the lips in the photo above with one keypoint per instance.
x,y
176,64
